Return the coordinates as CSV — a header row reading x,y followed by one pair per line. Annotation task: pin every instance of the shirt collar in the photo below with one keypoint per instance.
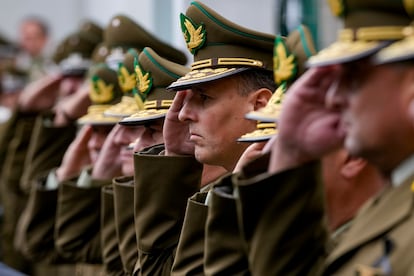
x,y
405,170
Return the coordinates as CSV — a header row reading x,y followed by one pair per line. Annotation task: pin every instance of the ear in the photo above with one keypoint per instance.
x,y
352,166
260,98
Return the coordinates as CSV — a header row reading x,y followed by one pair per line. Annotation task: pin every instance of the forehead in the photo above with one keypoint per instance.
x,y
356,66
102,129
224,83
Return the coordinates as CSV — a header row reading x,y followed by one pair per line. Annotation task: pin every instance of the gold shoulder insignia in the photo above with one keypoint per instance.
x,y
194,35
144,80
126,80
284,63
337,7
100,92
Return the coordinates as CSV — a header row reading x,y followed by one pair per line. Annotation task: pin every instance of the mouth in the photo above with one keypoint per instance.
x,y
126,153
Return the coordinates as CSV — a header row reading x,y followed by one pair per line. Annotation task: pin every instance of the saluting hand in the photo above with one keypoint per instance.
x,y
108,164
40,95
76,156
176,133
307,129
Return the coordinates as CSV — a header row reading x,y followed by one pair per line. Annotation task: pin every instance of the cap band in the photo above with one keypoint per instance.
x,y
372,33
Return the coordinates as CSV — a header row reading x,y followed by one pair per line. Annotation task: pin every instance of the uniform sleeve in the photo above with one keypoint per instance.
x,y
47,147
34,233
111,257
225,251
77,230
163,185
124,221
282,219
189,257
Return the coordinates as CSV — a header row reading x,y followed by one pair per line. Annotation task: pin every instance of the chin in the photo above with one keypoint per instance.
x,y
128,170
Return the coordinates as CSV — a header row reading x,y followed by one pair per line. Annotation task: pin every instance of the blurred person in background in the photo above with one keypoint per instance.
x,y
34,37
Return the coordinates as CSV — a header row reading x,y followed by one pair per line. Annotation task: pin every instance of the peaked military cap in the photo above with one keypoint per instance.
x,y
123,32
369,26
289,57
154,74
127,82
220,47
92,31
73,53
104,91
99,53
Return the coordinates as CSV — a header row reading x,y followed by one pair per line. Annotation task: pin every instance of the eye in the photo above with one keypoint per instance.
x,y
204,97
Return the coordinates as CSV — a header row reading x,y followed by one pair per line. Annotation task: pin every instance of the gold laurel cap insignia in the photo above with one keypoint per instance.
x,y
337,7
194,35
100,92
284,63
126,80
144,80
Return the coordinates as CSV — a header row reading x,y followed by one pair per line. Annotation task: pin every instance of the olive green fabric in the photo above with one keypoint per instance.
x,y
189,255
220,47
124,221
281,219
111,257
82,41
124,32
47,146
92,31
161,192
77,231
13,198
387,218
225,251
34,237
273,210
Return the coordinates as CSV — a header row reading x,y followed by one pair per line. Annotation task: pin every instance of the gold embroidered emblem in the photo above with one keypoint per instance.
x,y
144,80
337,7
100,92
284,63
194,35
126,80
412,187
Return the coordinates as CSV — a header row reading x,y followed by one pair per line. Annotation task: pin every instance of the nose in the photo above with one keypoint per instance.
x,y
145,140
335,97
186,112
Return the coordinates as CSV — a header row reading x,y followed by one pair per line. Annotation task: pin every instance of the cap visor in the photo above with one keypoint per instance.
x,y
258,135
343,52
97,119
204,75
144,116
399,51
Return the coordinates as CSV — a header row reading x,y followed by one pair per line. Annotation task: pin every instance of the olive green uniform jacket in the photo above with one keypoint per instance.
x,y
163,186
123,202
177,223
35,147
282,222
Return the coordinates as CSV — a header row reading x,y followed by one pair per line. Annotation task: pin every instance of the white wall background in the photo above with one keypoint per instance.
x,y
160,17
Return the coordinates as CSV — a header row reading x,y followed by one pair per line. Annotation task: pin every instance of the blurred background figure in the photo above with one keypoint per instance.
x,y
34,37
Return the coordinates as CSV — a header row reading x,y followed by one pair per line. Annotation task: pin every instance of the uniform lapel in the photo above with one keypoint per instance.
x,y
380,215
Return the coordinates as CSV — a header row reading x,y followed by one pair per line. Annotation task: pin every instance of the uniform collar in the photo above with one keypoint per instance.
x,y
404,171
